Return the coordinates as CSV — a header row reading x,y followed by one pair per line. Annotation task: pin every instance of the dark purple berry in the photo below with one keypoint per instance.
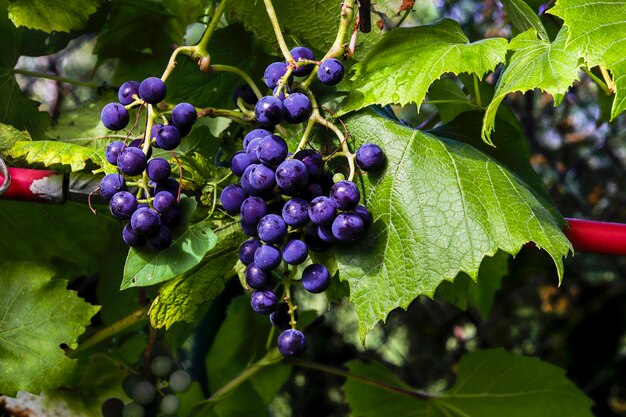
x,y
304,53
326,234
112,407
158,169
263,301
269,110
162,240
313,162
184,116
295,252
111,184
364,214
272,228
248,229
315,278
131,161
127,91
164,201
267,257
370,157
122,205
312,190
168,137
171,218
138,143
291,176
347,227
322,211
297,108
239,163
145,221
330,71
132,238
345,195
112,151
262,178
291,342
247,250
251,150
256,277
254,134
280,94
252,210
245,181
170,185
232,197
271,150
114,116
280,317
152,90
313,241
273,73
246,93
296,212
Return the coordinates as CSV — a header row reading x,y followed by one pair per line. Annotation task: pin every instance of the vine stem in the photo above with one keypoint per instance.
x,y
607,78
55,78
188,50
202,47
292,308
242,74
344,145
271,13
477,92
309,126
103,334
231,114
598,81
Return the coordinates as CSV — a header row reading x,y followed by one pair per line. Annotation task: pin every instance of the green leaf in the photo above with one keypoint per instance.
x,y
535,64
489,383
449,98
53,153
597,32
439,207
37,316
52,15
189,245
524,18
401,67
10,135
178,300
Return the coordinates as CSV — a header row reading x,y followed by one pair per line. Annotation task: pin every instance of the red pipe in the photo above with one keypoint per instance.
x,y
36,185
597,237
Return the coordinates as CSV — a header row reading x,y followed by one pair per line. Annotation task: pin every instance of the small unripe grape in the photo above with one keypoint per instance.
x,y
161,366
180,381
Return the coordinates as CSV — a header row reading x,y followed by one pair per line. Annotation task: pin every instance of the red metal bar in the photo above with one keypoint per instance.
x,y
35,185
597,237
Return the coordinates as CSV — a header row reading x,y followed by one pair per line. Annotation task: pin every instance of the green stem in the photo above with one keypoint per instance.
x,y
607,79
56,78
477,93
449,102
242,74
406,14
598,81
287,298
187,50
230,114
271,13
309,126
344,145
103,334
202,47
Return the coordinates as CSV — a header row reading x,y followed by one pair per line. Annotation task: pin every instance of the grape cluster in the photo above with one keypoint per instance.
x,y
154,210
152,396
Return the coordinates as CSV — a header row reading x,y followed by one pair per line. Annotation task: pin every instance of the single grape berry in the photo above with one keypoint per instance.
x,y
256,277
281,94
267,257
364,214
247,250
239,163
273,73
127,91
162,366
280,317
145,221
254,134
168,137
112,407
322,211
326,234
144,393
330,72
295,252
132,238
300,52
111,184
291,176
122,205
345,195
370,157
291,342
158,169
245,182
170,404
315,278
170,185
251,150
312,190
313,162
180,381
133,409
296,212
347,227
262,178
248,229
162,240
112,151
232,197
263,301
132,161
271,150
272,229
171,218
184,115
114,116
152,90
246,93
129,382
269,110
297,108
313,241
252,210
164,201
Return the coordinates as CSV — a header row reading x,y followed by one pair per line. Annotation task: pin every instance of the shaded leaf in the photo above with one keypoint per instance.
x,y
52,15
10,135
524,18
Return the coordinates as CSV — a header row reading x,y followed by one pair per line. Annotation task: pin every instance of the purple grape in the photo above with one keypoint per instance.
x,y
184,116
291,342
112,407
315,278
162,240
312,190
132,238
152,90
251,150
322,211
267,257
114,116
112,151
168,137
247,250
122,205
280,317
246,93
232,197
295,252
248,229
370,157
364,214
256,277
111,184
138,143
304,53
296,212
271,150
127,91
313,241
131,161
297,108
291,176
252,210
330,71
164,201
245,181
262,178
253,134
239,163
280,94
272,229
158,169
269,110
145,221
171,218
153,133
326,234
263,301
169,184
274,72
345,195
313,162
347,227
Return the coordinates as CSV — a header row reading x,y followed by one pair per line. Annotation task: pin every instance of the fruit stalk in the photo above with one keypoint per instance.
x,y
271,13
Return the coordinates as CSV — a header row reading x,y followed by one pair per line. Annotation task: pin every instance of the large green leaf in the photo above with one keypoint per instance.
x,y
52,15
535,64
523,18
490,383
190,242
178,300
37,316
10,135
401,68
53,153
439,207
597,32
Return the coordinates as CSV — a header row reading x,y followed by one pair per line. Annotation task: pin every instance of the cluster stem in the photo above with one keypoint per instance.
x,y
271,13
